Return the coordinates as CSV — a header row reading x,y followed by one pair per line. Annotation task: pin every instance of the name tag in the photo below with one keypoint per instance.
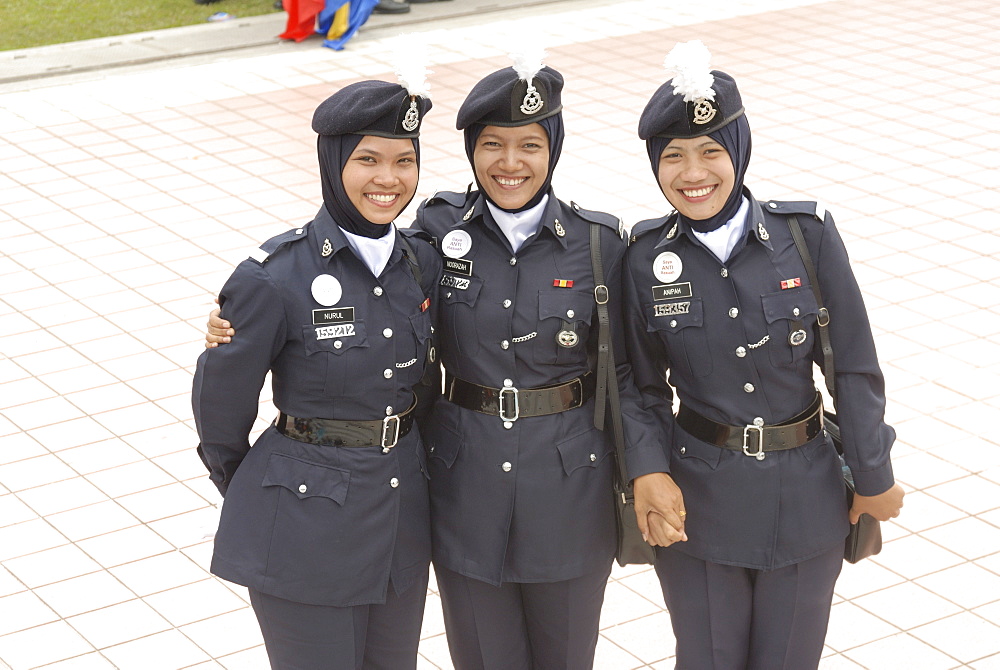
x,y
330,332
455,282
459,266
338,315
672,291
672,309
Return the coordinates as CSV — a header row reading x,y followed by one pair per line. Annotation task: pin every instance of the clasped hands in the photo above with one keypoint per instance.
x,y
659,509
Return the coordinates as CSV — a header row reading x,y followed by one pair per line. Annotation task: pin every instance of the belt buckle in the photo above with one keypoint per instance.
x,y
747,430
503,409
390,425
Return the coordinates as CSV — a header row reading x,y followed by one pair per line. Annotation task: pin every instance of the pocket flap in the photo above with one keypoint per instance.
x,y
587,449
334,338
421,323
305,479
566,305
791,304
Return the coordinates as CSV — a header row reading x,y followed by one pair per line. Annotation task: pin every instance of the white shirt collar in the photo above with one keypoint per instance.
x,y
373,253
723,239
519,226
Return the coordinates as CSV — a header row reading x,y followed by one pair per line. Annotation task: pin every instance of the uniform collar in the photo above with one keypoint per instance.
x,y
329,238
552,217
675,228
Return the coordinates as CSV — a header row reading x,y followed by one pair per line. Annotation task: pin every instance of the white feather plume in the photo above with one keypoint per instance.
x,y
409,56
693,78
528,59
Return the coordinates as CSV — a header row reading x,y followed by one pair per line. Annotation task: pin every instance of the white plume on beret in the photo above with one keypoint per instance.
x,y
693,77
409,57
528,59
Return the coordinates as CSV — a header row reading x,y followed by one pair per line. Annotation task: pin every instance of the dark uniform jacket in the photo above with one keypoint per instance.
x,y
533,502
317,524
723,332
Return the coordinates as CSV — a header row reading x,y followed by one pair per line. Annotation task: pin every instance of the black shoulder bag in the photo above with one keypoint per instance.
x,y
865,538
631,548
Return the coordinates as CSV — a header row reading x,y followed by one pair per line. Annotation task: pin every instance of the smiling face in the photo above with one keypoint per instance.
x,y
380,177
512,163
697,176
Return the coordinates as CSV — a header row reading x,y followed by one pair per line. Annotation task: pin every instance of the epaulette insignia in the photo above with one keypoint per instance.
x,y
259,255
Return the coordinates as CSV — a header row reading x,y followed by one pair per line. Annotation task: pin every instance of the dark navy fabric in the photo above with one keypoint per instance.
x,y
364,637
727,617
313,524
722,333
533,502
540,626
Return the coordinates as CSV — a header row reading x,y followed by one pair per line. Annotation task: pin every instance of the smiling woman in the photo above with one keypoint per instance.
x,y
380,177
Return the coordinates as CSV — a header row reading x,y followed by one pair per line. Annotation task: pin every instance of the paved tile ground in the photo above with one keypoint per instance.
x,y
127,196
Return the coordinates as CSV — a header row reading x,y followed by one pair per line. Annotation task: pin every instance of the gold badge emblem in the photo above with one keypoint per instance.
x,y
703,111
412,117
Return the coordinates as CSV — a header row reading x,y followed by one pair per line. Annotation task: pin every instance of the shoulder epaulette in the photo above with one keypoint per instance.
x,y
646,226
795,207
453,198
609,220
416,233
264,251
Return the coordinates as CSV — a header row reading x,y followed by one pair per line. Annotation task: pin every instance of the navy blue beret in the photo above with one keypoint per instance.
x,y
667,115
503,99
371,108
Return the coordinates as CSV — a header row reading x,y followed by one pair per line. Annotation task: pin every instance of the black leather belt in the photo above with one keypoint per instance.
x,y
511,404
754,440
333,433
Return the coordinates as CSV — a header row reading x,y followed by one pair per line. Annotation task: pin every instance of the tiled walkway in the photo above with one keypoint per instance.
x,y
127,197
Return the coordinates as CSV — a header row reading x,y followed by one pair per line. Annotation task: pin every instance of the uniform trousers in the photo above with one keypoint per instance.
x,y
522,626
298,636
733,618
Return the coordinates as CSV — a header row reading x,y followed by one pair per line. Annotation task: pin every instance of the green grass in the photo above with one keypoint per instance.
x,y
29,23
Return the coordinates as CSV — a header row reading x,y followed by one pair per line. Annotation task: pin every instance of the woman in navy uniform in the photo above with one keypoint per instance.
x,y
523,523
719,298
326,518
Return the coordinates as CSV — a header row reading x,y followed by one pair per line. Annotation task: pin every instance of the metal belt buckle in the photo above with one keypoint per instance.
x,y
601,294
503,409
759,454
390,426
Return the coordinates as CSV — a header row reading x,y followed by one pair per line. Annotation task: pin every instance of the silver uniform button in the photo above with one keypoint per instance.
x,y
377,290
758,421
772,205
684,450
508,382
795,311
508,424
387,373
741,352
505,344
394,483
337,344
303,488
387,333
673,323
748,387
570,313
724,272
513,261
733,312
299,231
448,294
507,304
388,410
593,457
506,466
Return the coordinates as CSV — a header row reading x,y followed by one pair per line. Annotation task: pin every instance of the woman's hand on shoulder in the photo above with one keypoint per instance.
x,y
219,330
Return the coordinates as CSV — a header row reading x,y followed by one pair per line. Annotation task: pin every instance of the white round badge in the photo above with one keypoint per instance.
x,y
326,290
456,244
667,267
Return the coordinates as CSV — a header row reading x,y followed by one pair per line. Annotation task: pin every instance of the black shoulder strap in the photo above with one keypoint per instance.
x,y
823,318
411,258
607,376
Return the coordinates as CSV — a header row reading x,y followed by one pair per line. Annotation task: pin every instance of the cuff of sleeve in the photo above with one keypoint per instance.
x,y
874,482
647,460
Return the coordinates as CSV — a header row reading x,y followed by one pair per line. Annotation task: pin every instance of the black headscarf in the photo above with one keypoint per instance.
x,y
735,138
334,151
553,126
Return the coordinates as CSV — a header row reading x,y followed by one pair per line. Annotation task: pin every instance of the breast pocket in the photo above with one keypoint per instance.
x,y
341,348
681,327
411,368
791,318
458,298
307,480
563,326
